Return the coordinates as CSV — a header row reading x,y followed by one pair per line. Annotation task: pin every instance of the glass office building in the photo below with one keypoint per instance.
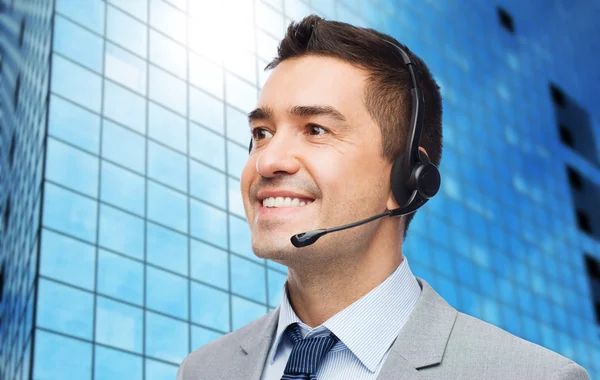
x,y
124,244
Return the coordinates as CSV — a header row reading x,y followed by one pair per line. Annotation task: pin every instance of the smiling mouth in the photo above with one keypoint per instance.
x,y
281,202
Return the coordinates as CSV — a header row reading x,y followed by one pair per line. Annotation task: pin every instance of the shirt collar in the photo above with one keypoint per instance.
x,y
369,326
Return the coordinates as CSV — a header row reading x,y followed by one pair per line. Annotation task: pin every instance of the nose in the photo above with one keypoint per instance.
x,y
277,157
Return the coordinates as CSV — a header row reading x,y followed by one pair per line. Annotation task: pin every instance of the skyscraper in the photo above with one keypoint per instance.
x,y
124,244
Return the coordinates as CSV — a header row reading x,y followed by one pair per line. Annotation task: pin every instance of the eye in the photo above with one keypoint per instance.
x,y
316,130
259,133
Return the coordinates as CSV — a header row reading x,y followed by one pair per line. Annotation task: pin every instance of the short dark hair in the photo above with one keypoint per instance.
x,y
386,95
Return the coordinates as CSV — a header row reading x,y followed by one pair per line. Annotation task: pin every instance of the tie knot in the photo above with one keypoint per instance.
x,y
307,354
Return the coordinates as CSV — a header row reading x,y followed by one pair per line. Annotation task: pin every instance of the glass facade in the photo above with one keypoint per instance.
x,y
124,244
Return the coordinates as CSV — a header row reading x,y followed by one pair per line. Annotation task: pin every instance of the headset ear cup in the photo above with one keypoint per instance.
x,y
250,147
399,180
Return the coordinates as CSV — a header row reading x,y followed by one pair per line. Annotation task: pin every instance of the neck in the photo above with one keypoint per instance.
x,y
319,292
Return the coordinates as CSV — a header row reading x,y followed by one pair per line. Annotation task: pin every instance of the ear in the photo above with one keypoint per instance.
x,y
391,202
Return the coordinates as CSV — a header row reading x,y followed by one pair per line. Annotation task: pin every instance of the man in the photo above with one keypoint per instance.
x,y
330,121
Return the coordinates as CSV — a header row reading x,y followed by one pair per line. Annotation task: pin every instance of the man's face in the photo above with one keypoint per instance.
x,y
316,144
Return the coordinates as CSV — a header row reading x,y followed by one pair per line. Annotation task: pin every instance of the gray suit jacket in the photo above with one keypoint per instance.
x,y
437,342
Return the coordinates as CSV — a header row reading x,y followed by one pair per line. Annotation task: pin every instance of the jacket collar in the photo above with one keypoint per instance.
x,y
421,342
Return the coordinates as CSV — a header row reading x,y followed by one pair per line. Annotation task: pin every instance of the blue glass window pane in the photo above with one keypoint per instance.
x,y
137,8
206,110
207,146
166,292
120,277
447,290
208,223
236,203
167,207
125,68
506,291
469,302
67,259
76,83
466,271
167,166
443,260
124,106
72,361
296,9
126,31
122,188
167,90
487,282
72,167
160,371
276,286
168,54
209,264
113,364
266,47
206,75
73,124
269,20
244,312
166,248
490,312
65,309
88,13
77,43
70,213
236,159
242,63
210,307
240,238
240,94
123,146
202,336
119,325
207,184
168,20
121,232
166,338
167,127
237,126
248,279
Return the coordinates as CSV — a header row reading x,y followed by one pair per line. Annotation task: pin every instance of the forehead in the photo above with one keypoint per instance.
x,y
315,80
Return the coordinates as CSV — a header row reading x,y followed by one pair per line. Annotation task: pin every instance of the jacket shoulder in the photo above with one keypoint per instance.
x,y
476,342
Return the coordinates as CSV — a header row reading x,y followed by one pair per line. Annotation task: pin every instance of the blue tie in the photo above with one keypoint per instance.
x,y
307,354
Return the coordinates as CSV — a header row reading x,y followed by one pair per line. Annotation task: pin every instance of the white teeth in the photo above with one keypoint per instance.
x,y
284,202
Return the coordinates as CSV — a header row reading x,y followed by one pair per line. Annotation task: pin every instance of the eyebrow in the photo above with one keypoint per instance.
x,y
266,113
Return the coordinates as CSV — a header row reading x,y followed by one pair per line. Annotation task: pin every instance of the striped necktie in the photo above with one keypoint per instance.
x,y
306,355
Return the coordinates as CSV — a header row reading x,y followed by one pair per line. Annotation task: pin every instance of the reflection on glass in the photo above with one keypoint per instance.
x,y
65,309
72,167
242,63
244,312
207,146
166,338
120,277
206,74
168,90
202,336
77,43
209,264
160,371
240,94
72,361
237,126
166,292
236,159
168,20
126,31
248,279
276,286
168,54
123,146
68,212
67,259
138,8
167,166
76,83
73,124
112,364
207,184
240,237
119,325
236,204
122,188
124,106
167,127
121,232
210,307
167,207
208,223
125,68
166,248
88,13
206,110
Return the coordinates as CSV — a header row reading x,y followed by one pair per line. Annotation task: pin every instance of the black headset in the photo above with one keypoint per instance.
x,y
414,179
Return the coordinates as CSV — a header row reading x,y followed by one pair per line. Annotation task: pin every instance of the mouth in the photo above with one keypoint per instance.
x,y
283,205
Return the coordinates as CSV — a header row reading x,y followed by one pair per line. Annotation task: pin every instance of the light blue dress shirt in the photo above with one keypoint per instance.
x,y
367,328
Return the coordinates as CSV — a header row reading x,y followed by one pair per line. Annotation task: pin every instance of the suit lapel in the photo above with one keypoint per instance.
x,y
422,341
255,341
